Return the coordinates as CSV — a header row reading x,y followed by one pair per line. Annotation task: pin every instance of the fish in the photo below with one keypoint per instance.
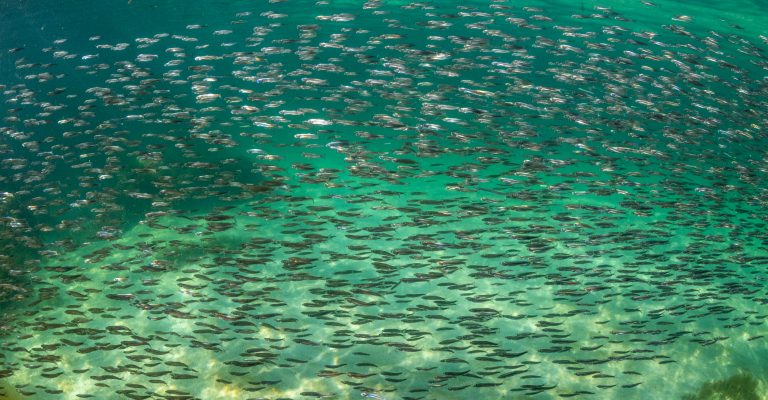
x,y
370,395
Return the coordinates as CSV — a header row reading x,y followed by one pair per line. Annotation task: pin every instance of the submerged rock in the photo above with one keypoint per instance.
x,y
741,386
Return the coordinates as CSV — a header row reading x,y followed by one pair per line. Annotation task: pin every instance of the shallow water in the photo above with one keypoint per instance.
x,y
400,200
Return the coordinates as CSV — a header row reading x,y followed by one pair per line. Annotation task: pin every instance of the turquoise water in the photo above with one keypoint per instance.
x,y
393,200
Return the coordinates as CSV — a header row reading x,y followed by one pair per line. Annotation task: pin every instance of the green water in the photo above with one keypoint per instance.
x,y
290,200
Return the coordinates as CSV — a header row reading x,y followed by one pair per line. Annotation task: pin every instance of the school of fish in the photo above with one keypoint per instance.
x,y
389,201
